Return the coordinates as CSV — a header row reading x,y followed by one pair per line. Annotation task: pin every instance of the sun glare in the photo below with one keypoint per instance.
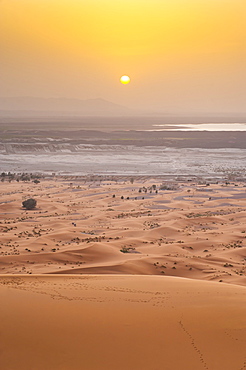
x,y
125,80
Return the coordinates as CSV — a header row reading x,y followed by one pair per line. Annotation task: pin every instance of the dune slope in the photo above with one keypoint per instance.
x,y
121,322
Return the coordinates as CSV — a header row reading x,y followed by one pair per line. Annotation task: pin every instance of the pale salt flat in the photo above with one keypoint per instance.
x,y
128,160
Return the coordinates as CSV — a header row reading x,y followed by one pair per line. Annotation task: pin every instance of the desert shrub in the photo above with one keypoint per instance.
x,y
127,249
29,203
35,176
25,177
167,187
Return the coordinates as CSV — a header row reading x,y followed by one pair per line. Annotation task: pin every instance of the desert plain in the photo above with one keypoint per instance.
x,y
133,256
123,272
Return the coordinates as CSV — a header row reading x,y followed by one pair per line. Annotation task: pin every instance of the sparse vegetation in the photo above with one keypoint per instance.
x,y
127,249
168,187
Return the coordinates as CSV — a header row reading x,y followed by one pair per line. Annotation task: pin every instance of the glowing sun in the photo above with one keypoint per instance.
x,y
125,80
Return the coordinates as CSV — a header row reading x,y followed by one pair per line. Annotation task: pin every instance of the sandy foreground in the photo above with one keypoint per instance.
x,y
121,322
93,280
85,227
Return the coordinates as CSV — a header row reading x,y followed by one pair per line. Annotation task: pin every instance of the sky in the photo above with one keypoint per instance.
x,y
181,55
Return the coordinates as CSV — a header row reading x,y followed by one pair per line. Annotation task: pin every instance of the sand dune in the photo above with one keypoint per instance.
x,y
97,322
101,226
103,276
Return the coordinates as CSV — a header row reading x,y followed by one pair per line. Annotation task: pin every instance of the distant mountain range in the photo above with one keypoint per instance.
x,y
60,106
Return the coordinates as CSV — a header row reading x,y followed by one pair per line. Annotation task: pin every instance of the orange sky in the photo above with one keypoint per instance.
x,y
182,55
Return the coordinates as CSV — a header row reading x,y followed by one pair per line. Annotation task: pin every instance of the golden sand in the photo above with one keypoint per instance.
x,y
97,322
193,231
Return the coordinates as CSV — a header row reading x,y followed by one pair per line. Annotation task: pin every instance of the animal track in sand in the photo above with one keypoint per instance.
x,y
244,366
193,343
38,287
233,337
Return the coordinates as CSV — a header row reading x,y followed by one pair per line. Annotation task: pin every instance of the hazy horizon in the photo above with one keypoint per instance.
x,y
25,105
183,56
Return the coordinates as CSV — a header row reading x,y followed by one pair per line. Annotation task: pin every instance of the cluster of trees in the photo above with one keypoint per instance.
x,y
8,176
151,189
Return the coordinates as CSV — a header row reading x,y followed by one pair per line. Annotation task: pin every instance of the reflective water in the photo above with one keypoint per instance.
x,y
204,127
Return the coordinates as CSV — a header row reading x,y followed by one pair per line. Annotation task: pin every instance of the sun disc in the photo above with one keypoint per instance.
x,y
125,80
